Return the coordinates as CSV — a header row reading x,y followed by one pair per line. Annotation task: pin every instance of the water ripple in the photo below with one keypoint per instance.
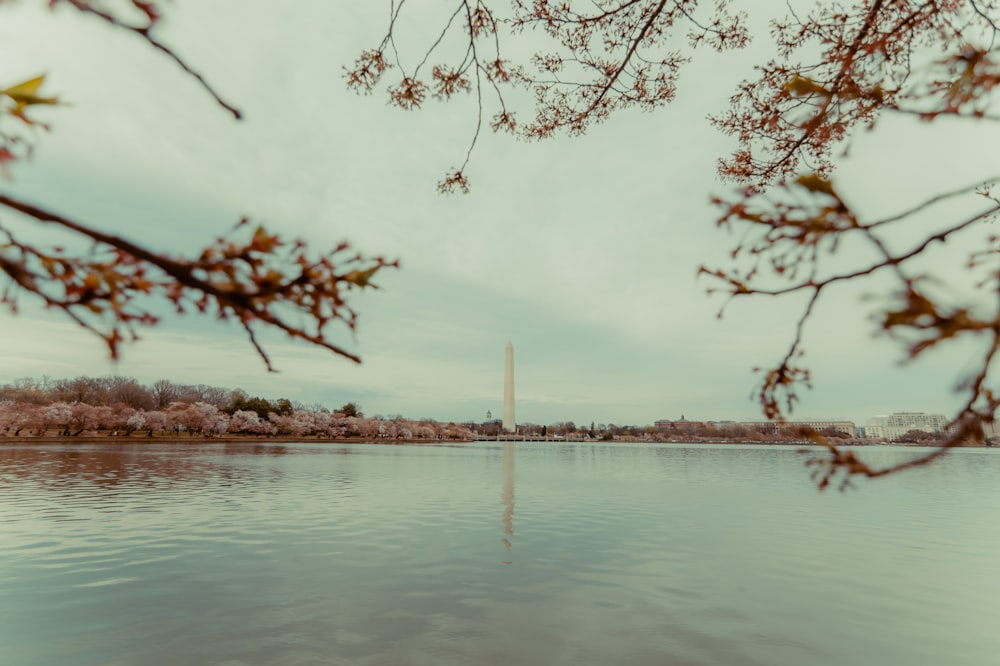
x,y
489,553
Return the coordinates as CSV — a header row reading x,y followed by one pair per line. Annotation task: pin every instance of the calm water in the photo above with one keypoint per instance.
x,y
490,554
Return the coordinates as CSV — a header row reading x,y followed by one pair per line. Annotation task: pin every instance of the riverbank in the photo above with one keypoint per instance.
x,y
384,441
225,439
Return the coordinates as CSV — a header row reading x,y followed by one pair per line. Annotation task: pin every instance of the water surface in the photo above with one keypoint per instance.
x,y
489,553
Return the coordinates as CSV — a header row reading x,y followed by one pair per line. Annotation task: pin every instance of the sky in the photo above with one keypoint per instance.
x,y
582,252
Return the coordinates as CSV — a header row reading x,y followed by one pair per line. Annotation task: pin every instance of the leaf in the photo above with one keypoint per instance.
x,y
361,277
149,9
801,86
816,183
26,93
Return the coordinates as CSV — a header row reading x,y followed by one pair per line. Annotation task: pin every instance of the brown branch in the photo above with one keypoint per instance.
x,y
610,82
805,225
979,10
930,202
847,62
891,260
144,32
440,36
242,303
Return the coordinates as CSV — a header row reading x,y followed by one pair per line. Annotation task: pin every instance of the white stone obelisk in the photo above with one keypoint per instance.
x,y
509,424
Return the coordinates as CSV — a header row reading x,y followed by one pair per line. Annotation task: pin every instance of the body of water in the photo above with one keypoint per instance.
x,y
529,553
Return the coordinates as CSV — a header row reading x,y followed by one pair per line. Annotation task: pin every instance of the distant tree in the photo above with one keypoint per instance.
x,y
299,423
191,417
457,431
920,436
128,391
213,395
57,415
351,409
26,389
370,428
210,419
83,418
135,422
240,401
569,427
155,421
839,68
165,392
249,422
111,417
529,429
90,390
18,416
253,276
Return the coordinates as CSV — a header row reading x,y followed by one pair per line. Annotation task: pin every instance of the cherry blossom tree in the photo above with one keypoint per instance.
x,y
199,417
300,423
458,431
285,425
245,421
191,416
135,422
211,419
330,425
8,409
839,68
57,415
116,417
18,416
155,421
370,428
426,430
387,429
252,275
83,418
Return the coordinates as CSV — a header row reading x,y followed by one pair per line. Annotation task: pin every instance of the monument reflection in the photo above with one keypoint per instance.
x,y
507,495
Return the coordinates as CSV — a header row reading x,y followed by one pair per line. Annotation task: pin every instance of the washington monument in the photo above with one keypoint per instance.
x,y
509,424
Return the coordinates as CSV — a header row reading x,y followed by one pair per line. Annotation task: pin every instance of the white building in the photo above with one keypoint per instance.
x,y
897,424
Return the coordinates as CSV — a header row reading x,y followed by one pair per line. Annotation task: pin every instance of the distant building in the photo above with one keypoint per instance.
x,y
774,427
846,427
680,424
992,429
897,424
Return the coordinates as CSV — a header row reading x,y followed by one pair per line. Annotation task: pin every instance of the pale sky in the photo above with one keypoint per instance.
x,y
582,252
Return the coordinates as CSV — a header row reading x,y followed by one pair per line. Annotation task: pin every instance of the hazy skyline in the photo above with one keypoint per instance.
x,y
582,252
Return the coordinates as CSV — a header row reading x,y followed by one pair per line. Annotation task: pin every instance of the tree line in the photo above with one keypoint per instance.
x,y
121,406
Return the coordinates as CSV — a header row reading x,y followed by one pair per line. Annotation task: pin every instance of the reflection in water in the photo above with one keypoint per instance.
x,y
508,496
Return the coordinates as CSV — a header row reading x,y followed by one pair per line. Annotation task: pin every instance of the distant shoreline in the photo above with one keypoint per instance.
x,y
198,439
290,439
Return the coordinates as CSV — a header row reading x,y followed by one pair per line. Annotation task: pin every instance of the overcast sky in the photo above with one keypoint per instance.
x,y
582,252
